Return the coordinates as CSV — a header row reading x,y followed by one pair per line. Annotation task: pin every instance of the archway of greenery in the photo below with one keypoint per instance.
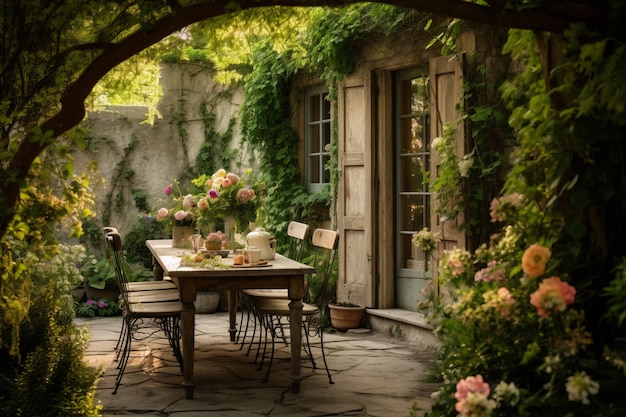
x,y
564,193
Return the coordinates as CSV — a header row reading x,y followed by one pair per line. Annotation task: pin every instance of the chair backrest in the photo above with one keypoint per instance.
x,y
298,233
114,244
325,242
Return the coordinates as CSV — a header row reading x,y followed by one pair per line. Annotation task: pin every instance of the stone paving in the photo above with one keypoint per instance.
x,y
373,376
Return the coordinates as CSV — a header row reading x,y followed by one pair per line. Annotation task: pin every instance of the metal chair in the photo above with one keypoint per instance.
x,y
159,315
274,310
298,234
139,292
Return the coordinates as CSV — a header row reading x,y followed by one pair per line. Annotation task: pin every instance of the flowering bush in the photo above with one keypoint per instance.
x,y
512,341
100,308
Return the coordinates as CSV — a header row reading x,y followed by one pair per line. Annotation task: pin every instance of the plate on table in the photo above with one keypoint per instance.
x,y
211,253
256,265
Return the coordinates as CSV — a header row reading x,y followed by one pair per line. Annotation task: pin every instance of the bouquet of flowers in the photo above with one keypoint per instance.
x,y
214,198
225,195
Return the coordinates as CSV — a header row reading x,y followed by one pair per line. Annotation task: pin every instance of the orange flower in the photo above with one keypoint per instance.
x,y
534,260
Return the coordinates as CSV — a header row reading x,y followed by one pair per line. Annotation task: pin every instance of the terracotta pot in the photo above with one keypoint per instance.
x,y
346,317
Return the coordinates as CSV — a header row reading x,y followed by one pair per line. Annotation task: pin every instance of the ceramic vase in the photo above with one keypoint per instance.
x,y
181,236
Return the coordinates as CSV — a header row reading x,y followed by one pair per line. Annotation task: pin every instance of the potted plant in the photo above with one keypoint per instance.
x,y
99,279
346,315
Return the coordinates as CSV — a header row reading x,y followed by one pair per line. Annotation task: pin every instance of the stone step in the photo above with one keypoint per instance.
x,y
408,326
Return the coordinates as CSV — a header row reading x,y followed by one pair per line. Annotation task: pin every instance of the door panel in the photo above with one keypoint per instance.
x,y
354,211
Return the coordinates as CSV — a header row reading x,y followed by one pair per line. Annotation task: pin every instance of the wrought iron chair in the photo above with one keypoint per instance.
x,y
298,234
139,292
158,315
274,310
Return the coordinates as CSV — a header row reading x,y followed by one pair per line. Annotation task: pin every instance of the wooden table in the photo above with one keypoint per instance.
x,y
282,273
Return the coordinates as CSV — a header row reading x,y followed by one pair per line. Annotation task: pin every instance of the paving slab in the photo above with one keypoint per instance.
x,y
373,375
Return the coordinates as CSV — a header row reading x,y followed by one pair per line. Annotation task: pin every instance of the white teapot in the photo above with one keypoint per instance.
x,y
264,241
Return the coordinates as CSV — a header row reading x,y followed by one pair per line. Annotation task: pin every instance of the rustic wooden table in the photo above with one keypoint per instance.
x,y
281,272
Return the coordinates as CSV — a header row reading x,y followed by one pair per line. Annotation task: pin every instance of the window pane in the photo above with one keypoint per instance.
x,y
325,108
410,176
314,138
412,134
412,212
314,108
326,173
326,138
314,171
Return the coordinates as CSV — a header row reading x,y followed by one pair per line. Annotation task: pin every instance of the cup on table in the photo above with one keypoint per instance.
x,y
196,242
252,255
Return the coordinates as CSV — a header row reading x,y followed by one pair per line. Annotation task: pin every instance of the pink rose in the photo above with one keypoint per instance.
x,y
227,182
203,204
180,215
552,296
168,190
101,304
162,213
213,193
244,195
234,178
188,201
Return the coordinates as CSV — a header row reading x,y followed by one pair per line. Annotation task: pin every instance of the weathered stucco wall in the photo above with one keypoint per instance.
x,y
133,155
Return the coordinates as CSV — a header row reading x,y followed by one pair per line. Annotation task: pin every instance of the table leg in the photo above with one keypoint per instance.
x,y
232,314
188,317
295,325
157,271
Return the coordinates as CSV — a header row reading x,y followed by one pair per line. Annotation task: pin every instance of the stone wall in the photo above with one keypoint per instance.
x,y
133,155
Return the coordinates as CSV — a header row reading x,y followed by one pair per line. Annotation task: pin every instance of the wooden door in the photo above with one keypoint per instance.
x,y
354,209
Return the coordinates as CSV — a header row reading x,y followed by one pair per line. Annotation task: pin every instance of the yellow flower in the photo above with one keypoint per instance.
x,y
534,260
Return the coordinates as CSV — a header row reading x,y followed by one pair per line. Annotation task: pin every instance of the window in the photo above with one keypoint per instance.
x,y
317,138
412,196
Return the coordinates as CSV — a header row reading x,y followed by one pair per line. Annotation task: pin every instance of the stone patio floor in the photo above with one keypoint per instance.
x,y
374,376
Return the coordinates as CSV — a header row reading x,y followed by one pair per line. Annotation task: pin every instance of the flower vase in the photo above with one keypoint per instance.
x,y
235,236
181,236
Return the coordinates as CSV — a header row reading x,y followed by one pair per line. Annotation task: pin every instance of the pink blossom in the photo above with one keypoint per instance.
x,y
188,201
507,300
213,193
168,190
552,296
234,178
457,266
90,302
180,215
245,194
227,182
467,386
209,182
471,384
101,304
491,273
493,211
162,213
